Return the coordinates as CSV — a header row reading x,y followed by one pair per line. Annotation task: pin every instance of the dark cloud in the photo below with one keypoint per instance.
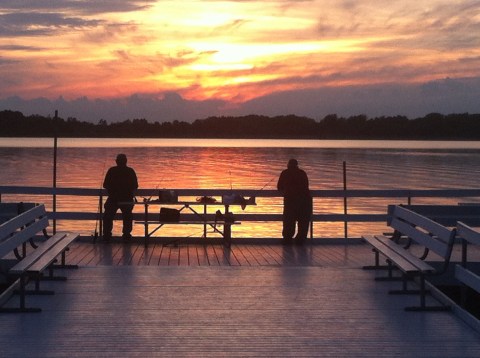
x,y
443,96
87,7
20,48
166,107
46,17
4,61
36,24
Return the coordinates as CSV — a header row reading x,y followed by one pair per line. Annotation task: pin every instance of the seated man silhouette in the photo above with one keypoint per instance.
x,y
121,183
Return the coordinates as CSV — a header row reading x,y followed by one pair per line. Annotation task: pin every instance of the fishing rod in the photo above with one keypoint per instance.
x,y
146,200
97,220
263,187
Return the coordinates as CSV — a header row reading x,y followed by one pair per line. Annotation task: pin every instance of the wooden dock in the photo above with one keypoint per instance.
x,y
191,300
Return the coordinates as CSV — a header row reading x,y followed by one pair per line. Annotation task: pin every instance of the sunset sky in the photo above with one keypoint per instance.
x,y
166,60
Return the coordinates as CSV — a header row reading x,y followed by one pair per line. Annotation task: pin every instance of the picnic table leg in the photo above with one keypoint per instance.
x,y
227,234
146,224
205,220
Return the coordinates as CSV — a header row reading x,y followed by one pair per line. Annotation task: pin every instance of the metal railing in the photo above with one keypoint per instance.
x,y
344,214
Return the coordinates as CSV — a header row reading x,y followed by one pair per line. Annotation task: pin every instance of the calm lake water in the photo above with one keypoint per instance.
x,y
249,164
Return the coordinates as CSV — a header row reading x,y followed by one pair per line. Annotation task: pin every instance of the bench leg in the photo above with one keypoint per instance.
x,y
423,306
37,290
51,277
390,267
405,290
463,295
63,262
23,292
377,265
422,292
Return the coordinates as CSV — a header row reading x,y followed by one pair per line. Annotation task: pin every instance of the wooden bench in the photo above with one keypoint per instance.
x,y
15,234
467,277
424,232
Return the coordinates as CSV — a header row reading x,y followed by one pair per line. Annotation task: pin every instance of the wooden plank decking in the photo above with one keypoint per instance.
x,y
272,301
159,254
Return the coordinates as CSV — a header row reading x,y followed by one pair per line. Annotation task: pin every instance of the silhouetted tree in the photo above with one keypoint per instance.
x,y
432,126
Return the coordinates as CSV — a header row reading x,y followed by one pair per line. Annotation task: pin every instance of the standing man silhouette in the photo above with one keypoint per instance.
x,y
297,202
121,183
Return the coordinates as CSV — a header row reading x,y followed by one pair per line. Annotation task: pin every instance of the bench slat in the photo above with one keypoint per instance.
x,y
45,253
448,215
10,226
414,260
468,233
406,261
427,224
52,252
390,253
12,242
435,244
467,277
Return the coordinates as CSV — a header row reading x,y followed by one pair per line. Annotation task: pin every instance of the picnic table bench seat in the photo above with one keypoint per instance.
x,y
226,233
15,234
421,232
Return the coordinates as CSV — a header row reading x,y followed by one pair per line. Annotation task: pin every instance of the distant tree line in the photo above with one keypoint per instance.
x,y
433,126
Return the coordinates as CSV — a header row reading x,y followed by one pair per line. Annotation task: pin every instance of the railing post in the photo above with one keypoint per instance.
x,y
100,211
345,204
55,146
